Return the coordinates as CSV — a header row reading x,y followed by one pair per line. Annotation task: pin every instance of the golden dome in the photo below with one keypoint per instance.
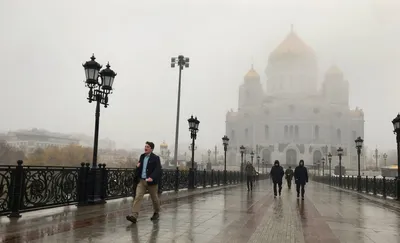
x,y
252,74
292,44
334,70
163,145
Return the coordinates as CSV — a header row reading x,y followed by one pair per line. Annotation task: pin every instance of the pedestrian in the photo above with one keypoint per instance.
x,y
277,174
249,176
289,176
148,170
301,178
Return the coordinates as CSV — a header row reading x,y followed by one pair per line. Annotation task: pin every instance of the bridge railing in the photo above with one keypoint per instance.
x,y
381,186
27,188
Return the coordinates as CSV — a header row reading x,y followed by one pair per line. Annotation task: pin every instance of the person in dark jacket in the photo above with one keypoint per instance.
x,y
301,178
249,176
277,174
148,171
289,176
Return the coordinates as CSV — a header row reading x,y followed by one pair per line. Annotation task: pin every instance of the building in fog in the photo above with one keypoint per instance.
x,y
295,119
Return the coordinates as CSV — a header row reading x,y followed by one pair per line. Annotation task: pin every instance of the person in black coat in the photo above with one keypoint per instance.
x,y
148,171
277,174
301,178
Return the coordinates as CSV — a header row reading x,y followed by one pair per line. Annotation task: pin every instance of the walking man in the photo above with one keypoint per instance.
x,y
301,178
148,171
249,176
277,174
289,176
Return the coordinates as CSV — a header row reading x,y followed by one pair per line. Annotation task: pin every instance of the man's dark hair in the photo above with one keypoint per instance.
x,y
151,144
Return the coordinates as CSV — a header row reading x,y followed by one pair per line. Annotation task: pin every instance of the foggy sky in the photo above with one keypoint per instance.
x,y
44,42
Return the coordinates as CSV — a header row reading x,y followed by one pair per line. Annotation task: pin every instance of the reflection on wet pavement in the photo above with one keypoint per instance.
x,y
227,215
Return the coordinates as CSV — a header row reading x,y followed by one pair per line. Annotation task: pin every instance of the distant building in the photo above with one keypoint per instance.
x,y
29,140
294,119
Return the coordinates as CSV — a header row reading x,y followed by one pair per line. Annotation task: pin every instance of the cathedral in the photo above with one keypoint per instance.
x,y
294,118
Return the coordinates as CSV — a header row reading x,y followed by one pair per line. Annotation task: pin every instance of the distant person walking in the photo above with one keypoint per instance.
x,y
249,176
277,174
148,171
289,176
301,178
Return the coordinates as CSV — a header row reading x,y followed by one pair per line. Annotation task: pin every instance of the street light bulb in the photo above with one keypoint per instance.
x,y
172,64
186,65
173,60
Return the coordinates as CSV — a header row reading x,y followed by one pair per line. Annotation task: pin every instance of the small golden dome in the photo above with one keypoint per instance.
x,y
252,74
163,145
292,44
334,70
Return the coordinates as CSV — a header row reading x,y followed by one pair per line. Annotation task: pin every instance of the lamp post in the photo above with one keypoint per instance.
x,y
252,156
242,150
182,62
193,128
330,168
215,155
209,160
385,158
323,166
98,92
340,153
376,156
225,142
396,125
258,163
359,142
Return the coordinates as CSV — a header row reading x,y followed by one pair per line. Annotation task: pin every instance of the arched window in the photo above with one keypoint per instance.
x,y
339,135
316,132
266,132
291,131
286,131
296,132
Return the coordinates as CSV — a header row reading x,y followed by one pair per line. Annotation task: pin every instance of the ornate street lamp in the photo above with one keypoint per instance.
x,y
330,168
242,151
323,166
182,62
340,153
252,156
193,128
376,156
359,143
384,158
98,92
225,142
396,126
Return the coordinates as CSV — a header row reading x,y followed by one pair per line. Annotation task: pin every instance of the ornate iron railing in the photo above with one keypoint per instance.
x,y
375,186
25,188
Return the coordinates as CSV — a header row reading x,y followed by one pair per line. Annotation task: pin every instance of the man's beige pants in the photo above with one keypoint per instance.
x,y
140,191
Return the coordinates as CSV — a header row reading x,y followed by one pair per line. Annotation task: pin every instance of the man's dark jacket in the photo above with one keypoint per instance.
x,y
277,173
153,169
301,175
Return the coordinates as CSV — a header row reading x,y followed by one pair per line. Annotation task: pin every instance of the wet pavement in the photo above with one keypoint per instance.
x,y
228,215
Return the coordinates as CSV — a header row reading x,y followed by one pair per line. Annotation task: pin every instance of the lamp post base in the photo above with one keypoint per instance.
x,y
95,187
191,179
398,188
359,183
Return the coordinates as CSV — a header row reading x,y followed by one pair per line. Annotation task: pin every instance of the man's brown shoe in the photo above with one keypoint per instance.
x,y
131,219
155,216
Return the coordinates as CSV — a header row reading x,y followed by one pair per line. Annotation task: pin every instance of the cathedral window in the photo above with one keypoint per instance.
x,y
286,131
291,131
339,135
266,132
316,132
296,132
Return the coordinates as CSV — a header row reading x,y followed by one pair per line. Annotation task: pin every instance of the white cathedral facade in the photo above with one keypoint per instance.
x,y
294,119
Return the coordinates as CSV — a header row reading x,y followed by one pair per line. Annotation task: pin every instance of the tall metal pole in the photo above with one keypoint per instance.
x,y
359,169
376,158
330,170
225,148
178,107
193,153
340,170
96,131
398,165
215,153
241,166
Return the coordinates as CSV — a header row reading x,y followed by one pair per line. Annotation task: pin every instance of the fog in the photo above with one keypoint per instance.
x,y
43,44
